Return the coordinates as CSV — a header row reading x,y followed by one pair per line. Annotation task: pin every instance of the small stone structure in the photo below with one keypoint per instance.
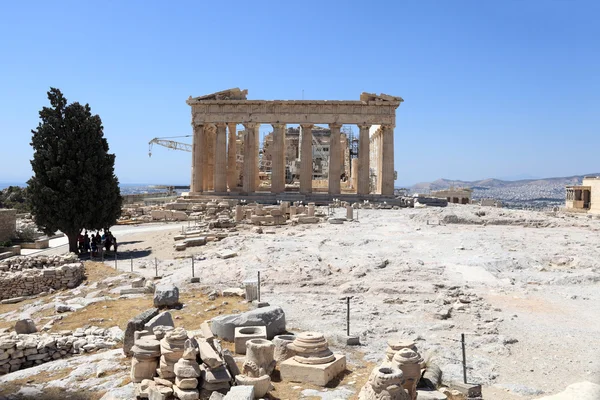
x,y
19,351
454,195
314,362
27,276
584,197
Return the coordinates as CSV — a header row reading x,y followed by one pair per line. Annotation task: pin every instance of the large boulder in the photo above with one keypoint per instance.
x,y
25,326
166,295
272,317
162,319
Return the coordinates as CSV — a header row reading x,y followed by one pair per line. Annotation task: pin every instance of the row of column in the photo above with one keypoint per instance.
x,y
214,159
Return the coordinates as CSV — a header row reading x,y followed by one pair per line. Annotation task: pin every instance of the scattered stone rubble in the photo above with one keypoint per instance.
x,y
27,276
18,351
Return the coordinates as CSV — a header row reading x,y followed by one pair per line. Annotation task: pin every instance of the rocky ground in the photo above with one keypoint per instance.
x,y
522,286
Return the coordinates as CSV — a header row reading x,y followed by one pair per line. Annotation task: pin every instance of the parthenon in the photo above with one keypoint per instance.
x,y
219,168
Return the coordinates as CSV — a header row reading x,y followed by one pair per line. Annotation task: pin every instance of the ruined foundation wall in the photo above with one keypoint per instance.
x,y
24,351
27,276
8,224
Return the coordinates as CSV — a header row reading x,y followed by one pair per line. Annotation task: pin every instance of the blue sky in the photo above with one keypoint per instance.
x,y
491,88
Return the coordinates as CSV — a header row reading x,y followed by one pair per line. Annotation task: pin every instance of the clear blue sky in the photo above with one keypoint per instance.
x,y
491,88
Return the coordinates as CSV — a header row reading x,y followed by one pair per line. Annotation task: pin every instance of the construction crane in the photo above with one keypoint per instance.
x,y
170,144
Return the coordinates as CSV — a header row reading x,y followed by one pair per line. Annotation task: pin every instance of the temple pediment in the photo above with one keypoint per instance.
x,y
229,94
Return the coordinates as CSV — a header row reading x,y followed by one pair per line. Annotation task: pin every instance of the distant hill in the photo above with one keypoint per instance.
x,y
534,193
498,183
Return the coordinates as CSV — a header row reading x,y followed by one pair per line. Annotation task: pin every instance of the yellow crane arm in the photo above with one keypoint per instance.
x,y
170,144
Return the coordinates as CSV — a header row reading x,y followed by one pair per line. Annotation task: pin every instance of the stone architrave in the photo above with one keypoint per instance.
x,y
363,160
306,160
220,175
231,157
335,167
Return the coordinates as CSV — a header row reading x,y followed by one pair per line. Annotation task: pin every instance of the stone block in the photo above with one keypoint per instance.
x,y
25,326
125,291
351,340
225,254
245,333
195,241
216,396
467,389
138,282
234,292
242,392
136,324
316,374
430,395
215,375
186,383
307,220
206,332
186,394
162,319
230,362
272,317
166,295
208,355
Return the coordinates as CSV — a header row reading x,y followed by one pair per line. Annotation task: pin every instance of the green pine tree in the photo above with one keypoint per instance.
x,y
74,186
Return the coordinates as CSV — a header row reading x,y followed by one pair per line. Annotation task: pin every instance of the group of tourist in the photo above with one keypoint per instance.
x,y
96,242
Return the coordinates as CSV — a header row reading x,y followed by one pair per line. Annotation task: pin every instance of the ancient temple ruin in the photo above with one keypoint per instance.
x,y
364,168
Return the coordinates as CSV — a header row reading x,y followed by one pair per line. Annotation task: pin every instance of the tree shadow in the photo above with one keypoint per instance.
x,y
120,255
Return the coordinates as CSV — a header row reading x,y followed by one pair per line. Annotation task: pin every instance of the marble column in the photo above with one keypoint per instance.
x,y
209,157
306,160
257,155
278,159
231,157
354,174
220,175
335,167
363,159
250,160
197,160
387,162
378,137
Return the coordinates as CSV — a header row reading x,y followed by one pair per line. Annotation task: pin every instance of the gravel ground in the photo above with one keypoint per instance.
x,y
522,285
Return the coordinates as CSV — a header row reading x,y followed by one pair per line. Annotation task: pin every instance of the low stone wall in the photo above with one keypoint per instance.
x,y
26,276
24,351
